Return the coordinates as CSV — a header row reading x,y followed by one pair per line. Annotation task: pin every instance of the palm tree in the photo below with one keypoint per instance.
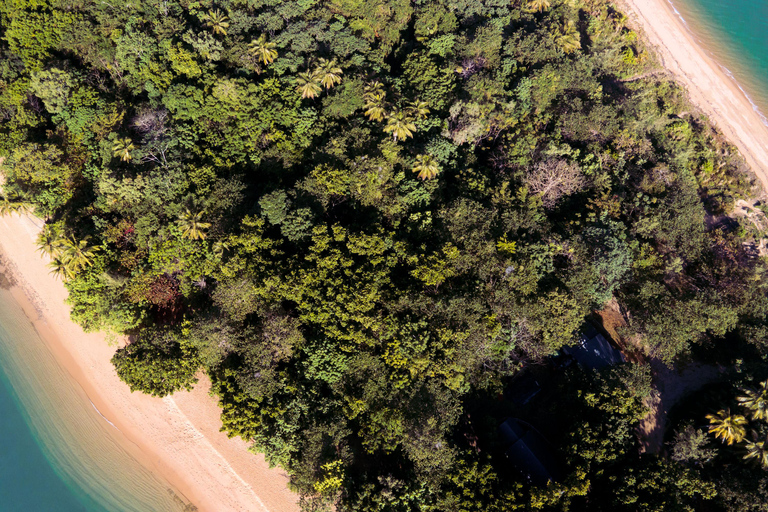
x,y
567,38
308,84
328,73
122,148
726,426
418,109
756,401
8,205
374,101
374,90
375,111
263,50
77,254
217,21
537,5
426,166
191,224
62,268
400,125
759,452
50,242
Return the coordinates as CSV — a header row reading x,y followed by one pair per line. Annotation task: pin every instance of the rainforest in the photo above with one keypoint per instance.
x,y
371,223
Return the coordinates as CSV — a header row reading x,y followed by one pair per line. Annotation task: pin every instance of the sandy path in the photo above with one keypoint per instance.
x,y
670,385
709,87
176,437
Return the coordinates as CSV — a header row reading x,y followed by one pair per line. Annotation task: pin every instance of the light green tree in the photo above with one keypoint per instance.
x,y
54,87
50,242
8,205
62,268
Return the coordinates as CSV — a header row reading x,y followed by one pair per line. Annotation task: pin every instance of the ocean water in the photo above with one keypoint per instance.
x,y
57,453
736,34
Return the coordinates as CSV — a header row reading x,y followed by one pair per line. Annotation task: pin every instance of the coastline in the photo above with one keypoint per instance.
x,y
710,85
177,438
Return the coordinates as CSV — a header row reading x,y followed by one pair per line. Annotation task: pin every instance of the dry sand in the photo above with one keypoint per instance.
x,y
176,437
709,86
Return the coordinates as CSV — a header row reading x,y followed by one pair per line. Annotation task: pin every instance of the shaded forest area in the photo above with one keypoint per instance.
x,y
361,219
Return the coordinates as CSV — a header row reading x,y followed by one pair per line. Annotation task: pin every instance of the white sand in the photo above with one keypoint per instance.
x,y
177,437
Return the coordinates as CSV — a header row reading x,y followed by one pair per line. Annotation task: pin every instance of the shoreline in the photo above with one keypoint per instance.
x,y
714,44
711,87
177,437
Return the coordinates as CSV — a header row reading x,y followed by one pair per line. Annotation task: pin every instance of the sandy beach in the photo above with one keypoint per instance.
x,y
709,86
176,437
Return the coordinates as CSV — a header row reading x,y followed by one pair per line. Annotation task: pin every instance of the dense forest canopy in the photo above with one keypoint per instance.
x,y
362,218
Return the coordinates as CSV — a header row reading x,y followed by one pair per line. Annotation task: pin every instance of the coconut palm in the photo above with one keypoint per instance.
x,y
191,224
375,100
49,242
567,38
328,73
308,84
426,166
77,254
374,91
537,5
375,111
756,400
726,426
758,451
418,109
8,205
400,125
217,21
263,50
62,268
122,148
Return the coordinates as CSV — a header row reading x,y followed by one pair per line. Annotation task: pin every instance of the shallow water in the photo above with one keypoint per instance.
x,y
56,451
736,33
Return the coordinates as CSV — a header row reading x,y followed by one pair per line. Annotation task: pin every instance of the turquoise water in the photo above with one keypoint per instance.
x,y
27,480
57,453
736,33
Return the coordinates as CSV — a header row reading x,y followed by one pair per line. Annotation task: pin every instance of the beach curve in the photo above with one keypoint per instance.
x,y
178,437
710,87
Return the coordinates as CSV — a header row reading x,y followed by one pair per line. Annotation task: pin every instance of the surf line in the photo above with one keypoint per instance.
x,y
727,71
105,418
